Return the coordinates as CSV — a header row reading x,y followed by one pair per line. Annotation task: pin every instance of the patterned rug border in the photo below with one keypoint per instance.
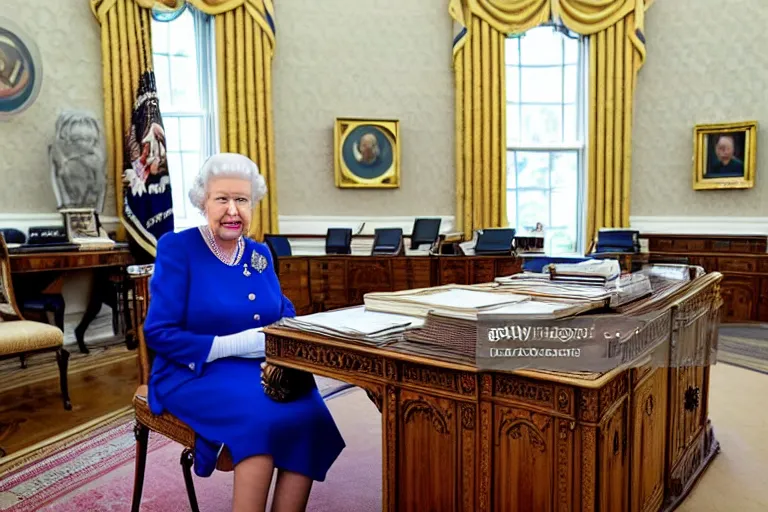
x,y
742,353
62,441
58,458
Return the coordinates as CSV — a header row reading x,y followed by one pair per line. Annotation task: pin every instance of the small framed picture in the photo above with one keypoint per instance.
x,y
81,223
724,155
367,153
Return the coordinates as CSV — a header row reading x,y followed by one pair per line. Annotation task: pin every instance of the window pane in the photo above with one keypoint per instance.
x,y
183,40
191,167
511,50
163,80
512,208
171,126
511,170
542,85
560,241
532,169
178,192
191,133
513,84
541,46
565,170
570,84
571,50
185,90
513,124
533,207
542,123
571,124
564,208
159,37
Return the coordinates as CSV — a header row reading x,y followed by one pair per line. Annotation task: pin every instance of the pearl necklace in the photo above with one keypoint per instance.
x,y
210,241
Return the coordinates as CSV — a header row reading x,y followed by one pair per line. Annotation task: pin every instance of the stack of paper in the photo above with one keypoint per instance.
x,y
452,301
613,293
541,309
355,324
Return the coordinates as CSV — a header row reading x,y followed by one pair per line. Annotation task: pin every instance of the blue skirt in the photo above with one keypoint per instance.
x,y
226,407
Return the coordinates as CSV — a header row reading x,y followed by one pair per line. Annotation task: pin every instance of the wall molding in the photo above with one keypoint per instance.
x,y
709,225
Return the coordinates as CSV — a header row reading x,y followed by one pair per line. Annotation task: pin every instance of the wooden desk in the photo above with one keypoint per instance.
x,y
320,283
69,260
457,438
24,265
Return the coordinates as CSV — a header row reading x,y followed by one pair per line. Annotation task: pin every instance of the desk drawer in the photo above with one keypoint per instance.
x,y
737,264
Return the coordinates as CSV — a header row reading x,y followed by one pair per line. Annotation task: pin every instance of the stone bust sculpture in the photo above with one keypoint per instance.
x,y
78,162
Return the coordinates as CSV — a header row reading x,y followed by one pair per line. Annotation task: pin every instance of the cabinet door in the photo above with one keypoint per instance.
x,y
531,462
762,304
613,482
649,415
739,298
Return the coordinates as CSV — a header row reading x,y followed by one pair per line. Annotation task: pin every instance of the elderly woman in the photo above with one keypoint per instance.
x,y
212,291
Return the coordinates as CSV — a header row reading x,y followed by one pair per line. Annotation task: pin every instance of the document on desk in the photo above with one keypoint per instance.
x,y
452,301
356,324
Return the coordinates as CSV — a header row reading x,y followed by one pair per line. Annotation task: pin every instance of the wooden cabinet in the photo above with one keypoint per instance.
x,y
321,283
741,259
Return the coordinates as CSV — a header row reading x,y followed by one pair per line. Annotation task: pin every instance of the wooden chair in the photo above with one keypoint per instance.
x,y
21,338
165,424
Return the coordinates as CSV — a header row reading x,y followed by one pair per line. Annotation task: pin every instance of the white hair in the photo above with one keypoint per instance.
x,y
227,165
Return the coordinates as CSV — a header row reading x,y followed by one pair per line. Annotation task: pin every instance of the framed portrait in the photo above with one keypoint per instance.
x,y
724,155
367,153
21,70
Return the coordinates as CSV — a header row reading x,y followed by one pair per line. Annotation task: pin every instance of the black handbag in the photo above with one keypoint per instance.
x,y
285,384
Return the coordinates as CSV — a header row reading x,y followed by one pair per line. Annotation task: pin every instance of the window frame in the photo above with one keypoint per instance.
x,y
205,40
580,146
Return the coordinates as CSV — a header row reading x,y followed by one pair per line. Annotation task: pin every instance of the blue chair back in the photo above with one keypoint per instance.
x,y
279,245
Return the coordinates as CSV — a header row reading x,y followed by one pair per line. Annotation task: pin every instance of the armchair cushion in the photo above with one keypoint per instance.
x,y
22,336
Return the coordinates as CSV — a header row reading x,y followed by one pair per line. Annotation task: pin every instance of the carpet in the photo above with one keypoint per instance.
x,y
43,366
745,346
93,470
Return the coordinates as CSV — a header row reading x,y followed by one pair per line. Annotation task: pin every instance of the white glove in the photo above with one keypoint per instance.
x,y
245,343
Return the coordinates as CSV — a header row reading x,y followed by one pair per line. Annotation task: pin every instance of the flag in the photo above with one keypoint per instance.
x,y
147,200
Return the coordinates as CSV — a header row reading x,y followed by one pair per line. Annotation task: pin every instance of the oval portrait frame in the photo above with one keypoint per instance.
x,y
349,170
12,34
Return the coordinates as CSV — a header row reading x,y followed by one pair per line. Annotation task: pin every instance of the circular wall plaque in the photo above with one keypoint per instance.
x,y
21,70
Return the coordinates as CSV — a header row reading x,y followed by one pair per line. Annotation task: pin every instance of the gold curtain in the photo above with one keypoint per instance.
x,y
617,51
125,31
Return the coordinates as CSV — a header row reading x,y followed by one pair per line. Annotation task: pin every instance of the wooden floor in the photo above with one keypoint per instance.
x,y
30,414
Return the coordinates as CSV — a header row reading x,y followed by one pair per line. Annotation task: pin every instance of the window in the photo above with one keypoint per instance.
x,y
546,93
182,53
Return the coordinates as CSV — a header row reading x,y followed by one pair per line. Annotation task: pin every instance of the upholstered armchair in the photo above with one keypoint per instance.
x,y
21,338
165,424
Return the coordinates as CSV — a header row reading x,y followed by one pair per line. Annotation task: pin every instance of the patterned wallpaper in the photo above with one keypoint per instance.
x,y
364,58
67,35
392,59
706,64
